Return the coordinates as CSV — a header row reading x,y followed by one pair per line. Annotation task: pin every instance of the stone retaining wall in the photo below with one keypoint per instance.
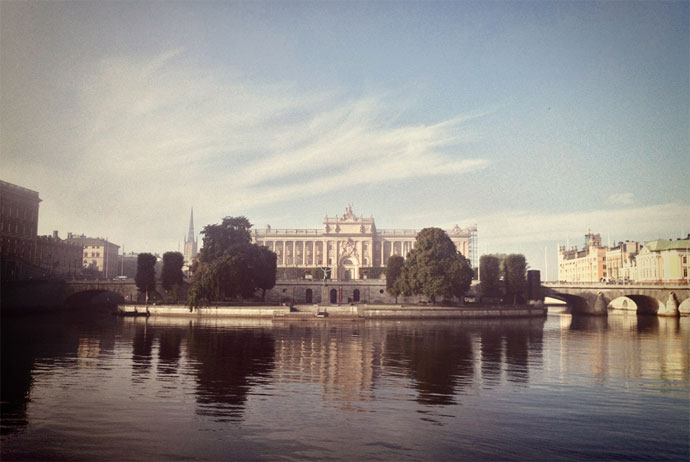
x,y
307,312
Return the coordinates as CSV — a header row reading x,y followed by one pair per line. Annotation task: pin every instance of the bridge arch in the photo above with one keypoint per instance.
x,y
575,303
639,304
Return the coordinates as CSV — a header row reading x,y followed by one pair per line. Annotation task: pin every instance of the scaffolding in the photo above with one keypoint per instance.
x,y
474,245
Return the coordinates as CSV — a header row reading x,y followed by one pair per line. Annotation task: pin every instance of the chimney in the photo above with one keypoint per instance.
x,y
55,235
69,235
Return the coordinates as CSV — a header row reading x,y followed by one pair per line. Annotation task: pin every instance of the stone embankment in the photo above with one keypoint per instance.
x,y
363,311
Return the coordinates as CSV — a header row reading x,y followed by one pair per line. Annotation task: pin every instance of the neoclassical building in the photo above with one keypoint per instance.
x,y
350,245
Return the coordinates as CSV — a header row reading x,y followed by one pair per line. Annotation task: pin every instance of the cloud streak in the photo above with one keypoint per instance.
x,y
153,135
507,229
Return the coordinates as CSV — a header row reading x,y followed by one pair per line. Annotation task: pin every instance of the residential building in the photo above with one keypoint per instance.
x,y
58,258
664,261
585,265
98,254
350,245
620,260
18,230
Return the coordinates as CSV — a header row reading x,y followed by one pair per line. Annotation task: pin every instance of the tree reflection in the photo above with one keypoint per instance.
x,y
226,363
439,360
169,346
142,344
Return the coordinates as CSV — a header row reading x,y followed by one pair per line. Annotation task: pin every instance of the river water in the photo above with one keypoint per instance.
x,y
87,387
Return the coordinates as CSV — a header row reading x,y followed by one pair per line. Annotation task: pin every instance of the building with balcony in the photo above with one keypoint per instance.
x,y
350,245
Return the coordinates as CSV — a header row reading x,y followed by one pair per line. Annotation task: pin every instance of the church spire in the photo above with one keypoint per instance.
x,y
190,242
190,237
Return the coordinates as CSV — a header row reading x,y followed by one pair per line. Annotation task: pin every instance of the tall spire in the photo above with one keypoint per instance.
x,y
190,237
190,242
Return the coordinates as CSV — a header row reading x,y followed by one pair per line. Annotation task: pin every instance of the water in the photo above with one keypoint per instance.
x,y
100,387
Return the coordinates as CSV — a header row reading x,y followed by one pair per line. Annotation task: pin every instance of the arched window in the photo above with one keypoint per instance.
x,y
355,295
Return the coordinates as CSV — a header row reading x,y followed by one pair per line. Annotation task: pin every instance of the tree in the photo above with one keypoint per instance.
x,y
515,275
171,274
230,265
434,267
218,239
393,272
460,274
146,273
490,273
265,270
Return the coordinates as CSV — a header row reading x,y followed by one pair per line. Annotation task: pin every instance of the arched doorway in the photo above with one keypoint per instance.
x,y
348,269
355,295
334,296
308,296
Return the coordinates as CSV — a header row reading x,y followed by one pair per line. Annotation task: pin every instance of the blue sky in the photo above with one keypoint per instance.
x,y
534,121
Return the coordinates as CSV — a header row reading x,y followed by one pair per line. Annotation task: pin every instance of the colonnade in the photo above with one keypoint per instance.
x,y
327,252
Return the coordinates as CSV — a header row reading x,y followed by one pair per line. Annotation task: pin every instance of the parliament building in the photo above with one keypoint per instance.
x,y
350,245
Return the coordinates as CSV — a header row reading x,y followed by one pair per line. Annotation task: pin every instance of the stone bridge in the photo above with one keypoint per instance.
x,y
46,294
597,299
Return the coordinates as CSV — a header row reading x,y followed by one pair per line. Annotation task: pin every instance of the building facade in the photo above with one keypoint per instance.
x,y
620,261
585,265
350,245
18,230
664,261
98,254
58,258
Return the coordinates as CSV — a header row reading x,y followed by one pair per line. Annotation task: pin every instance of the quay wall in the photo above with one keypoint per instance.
x,y
308,312
207,311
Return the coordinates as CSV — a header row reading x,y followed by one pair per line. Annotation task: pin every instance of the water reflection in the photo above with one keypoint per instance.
x,y
227,364
348,366
440,362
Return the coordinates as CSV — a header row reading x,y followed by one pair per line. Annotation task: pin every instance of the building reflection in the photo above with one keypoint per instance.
x,y
345,360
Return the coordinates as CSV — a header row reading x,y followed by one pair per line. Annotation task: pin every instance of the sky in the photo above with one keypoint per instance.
x,y
533,120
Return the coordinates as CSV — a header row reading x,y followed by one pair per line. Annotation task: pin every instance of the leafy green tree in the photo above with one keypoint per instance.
x,y
515,275
393,272
460,274
146,273
490,273
219,238
172,274
230,265
434,267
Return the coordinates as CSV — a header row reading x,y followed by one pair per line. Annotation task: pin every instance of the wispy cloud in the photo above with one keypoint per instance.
x,y
626,198
153,135
511,228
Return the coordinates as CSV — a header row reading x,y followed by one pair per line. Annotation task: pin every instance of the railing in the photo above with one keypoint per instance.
x,y
397,232
295,232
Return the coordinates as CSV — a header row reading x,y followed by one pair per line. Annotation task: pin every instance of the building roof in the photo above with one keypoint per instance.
x,y
83,240
665,244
